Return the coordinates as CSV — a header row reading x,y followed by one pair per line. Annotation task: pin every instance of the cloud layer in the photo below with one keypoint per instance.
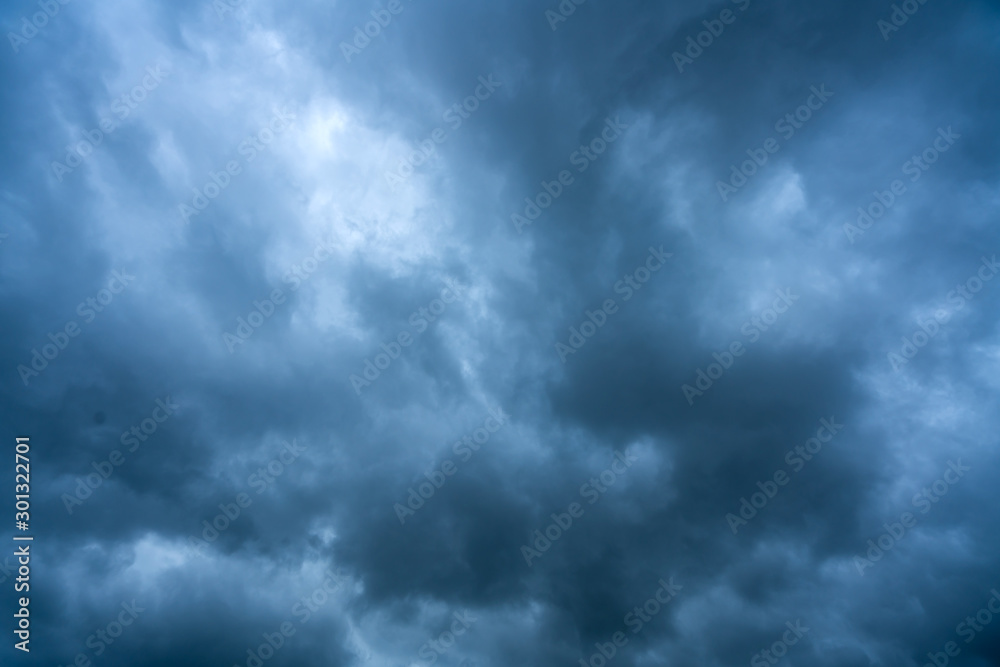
x,y
504,333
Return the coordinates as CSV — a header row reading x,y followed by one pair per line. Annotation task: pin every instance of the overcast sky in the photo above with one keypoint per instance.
x,y
517,333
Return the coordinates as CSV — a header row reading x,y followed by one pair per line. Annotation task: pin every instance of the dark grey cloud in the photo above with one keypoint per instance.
x,y
269,496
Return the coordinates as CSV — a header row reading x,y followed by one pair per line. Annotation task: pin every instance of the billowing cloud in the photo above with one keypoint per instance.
x,y
504,333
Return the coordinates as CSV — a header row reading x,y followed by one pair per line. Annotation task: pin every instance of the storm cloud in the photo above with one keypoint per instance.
x,y
521,333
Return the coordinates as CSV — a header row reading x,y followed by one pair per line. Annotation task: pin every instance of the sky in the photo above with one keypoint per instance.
x,y
482,334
